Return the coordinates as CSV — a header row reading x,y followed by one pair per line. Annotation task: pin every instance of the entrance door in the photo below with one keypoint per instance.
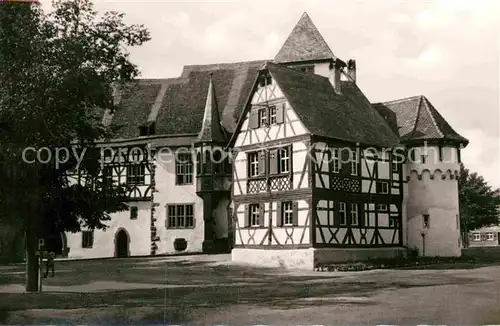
x,y
121,244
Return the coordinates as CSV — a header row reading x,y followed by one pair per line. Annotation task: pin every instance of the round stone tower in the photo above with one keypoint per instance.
x,y
431,196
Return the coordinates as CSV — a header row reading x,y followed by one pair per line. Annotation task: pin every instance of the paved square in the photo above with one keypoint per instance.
x,y
212,290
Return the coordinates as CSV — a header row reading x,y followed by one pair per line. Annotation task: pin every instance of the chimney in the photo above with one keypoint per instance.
x,y
335,72
351,70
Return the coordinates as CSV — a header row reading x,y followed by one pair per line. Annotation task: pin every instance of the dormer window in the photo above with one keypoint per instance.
x,y
147,129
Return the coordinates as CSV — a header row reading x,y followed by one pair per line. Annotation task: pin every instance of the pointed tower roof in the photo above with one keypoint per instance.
x,y
211,129
305,43
416,119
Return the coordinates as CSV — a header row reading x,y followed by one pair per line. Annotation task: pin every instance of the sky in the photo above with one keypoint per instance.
x,y
447,50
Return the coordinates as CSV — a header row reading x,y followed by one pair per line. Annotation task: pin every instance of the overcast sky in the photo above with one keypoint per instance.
x,y
446,50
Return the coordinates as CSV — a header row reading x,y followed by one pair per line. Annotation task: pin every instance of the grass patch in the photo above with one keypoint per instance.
x,y
410,263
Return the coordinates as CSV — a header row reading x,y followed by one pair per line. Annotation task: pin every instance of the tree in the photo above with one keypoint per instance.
x,y
56,77
479,204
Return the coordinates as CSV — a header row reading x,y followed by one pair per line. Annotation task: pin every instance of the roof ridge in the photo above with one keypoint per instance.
x,y
419,106
400,100
281,66
425,100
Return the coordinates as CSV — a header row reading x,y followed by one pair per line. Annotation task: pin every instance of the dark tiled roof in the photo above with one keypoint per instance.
x,y
135,105
182,107
304,43
415,118
348,117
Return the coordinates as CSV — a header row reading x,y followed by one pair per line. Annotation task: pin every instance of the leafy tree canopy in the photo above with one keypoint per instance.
x,y
56,75
479,203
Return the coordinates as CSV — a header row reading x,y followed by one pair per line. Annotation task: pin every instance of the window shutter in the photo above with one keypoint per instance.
x,y
295,215
273,161
279,214
261,214
253,122
262,163
247,216
280,113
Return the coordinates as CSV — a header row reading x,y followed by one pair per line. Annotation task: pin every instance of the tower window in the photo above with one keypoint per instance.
x,y
426,221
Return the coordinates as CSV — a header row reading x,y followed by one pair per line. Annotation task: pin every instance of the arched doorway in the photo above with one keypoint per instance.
x,y
122,241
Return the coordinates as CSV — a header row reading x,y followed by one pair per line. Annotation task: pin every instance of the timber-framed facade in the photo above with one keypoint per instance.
x,y
284,161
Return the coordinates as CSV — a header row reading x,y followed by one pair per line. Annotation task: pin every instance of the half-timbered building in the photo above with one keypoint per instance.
x,y
284,160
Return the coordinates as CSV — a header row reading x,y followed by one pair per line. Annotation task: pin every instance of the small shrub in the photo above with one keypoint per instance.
x,y
413,252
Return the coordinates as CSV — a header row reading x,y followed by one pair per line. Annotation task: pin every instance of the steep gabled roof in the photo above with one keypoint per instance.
x,y
348,117
415,118
177,105
304,43
211,130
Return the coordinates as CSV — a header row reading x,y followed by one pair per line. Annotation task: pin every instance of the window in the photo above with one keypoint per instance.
x,y
184,169
342,214
354,214
254,212
253,164
395,167
426,221
262,117
284,160
272,115
423,159
335,160
476,236
382,187
392,222
287,213
180,216
134,212
135,174
107,175
354,163
382,207
490,236
87,239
